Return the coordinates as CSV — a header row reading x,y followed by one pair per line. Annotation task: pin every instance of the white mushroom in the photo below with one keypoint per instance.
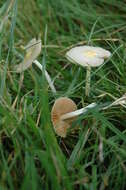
x,y
87,56
33,50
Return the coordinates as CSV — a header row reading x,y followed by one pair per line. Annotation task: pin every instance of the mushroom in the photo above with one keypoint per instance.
x,y
33,50
87,56
62,106
64,112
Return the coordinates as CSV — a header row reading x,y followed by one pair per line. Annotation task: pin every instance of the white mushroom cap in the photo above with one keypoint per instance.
x,y
62,106
88,55
33,49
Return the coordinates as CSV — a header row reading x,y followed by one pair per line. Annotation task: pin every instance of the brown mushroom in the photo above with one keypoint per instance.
x,y
62,106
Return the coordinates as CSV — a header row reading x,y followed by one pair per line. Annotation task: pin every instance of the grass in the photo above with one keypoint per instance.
x,y
32,156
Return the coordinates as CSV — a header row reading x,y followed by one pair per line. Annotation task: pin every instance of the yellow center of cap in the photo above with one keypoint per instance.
x,y
90,53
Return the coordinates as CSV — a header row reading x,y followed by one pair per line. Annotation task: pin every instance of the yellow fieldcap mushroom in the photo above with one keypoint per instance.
x,y
88,56
33,50
62,106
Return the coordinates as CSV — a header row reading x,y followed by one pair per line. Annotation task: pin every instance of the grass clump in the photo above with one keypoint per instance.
x,y
93,155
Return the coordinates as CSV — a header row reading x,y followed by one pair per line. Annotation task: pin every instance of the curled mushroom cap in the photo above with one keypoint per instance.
x,y
88,55
62,106
33,49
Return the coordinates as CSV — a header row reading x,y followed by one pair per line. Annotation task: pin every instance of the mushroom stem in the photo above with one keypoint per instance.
x,y
88,78
46,75
121,101
78,112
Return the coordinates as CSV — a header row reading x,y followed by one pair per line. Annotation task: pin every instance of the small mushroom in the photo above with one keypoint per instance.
x,y
33,50
64,112
62,106
87,56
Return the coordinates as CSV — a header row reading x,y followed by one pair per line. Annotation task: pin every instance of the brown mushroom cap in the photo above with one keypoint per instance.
x,y
62,106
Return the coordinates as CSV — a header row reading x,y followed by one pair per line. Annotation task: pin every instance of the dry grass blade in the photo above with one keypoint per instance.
x,y
93,40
